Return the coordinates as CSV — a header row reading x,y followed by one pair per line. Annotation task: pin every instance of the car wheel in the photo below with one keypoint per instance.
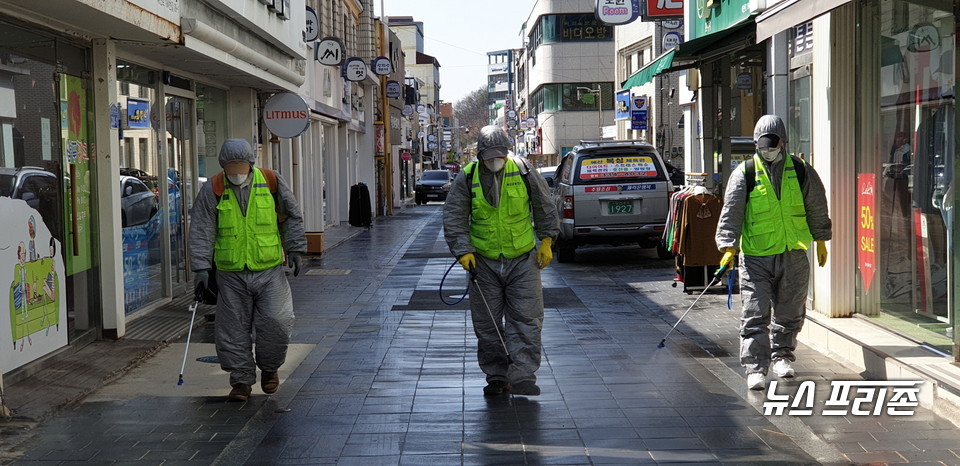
x,y
566,251
663,253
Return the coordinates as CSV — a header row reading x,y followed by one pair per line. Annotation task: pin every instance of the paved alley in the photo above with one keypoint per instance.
x,y
384,373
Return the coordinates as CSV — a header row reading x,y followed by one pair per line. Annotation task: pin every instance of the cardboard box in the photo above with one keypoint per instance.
x,y
314,243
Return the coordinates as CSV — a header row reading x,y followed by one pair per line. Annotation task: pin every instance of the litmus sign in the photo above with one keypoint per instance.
x,y
286,115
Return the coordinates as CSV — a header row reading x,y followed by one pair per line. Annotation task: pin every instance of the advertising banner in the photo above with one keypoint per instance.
x,y
866,228
33,274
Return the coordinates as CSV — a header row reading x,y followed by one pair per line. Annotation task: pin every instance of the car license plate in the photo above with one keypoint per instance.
x,y
620,207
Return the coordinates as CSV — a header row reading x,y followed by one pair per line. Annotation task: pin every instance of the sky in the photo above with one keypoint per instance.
x,y
459,33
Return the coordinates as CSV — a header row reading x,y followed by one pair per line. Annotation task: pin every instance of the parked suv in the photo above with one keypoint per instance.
x,y
611,192
433,186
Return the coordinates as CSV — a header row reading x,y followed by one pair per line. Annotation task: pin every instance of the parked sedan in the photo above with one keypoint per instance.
x,y
137,203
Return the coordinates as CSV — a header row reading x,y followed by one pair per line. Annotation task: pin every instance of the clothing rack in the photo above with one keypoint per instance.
x,y
689,233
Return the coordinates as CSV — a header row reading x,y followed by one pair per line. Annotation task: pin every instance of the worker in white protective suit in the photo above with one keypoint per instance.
x,y
774,207
487,225
241,222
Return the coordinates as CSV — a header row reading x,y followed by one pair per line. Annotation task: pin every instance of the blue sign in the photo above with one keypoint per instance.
x,y
638,119
114,116
138,113
623,105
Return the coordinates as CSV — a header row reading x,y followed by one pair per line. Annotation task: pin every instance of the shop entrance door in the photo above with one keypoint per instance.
x,y
179,172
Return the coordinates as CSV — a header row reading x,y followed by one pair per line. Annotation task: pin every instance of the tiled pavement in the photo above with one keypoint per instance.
x,y
393,380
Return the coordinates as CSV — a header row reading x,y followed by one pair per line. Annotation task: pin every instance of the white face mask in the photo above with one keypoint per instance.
x,y
238,179
769,154
495,164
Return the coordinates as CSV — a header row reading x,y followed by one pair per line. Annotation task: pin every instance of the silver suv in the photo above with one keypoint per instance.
x,y
611,192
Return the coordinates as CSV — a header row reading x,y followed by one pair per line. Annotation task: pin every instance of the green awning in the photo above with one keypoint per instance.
x,y
652,69
692,50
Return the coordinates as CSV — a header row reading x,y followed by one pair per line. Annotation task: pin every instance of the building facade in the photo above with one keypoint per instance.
x,y
867,90
110,121
567,69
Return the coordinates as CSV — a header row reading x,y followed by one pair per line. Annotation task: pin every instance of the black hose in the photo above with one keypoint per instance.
x,y
465,291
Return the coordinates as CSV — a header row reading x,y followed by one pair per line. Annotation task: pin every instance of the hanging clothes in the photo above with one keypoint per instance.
x,y
697,228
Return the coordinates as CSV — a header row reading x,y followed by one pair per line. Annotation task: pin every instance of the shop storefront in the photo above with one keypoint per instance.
x,y
169,146
46,195
910,53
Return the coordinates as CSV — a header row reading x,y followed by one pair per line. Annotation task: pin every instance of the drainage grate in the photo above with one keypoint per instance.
x,y
328,272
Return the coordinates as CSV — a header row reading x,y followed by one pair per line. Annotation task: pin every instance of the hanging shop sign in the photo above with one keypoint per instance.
x,y
658,10
511,113
381,66
138,113
394,89
623,105
672,24
311,30
405,155
672,39
866,228
379,137
286,114
354,69
617,12
407,110
744,81
532,122
638,112
330,51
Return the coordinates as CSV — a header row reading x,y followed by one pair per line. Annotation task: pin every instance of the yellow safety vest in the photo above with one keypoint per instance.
x,y
251,241
506,229
772,226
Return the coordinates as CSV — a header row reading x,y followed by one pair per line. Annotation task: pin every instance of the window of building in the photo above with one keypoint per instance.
x,y
565,97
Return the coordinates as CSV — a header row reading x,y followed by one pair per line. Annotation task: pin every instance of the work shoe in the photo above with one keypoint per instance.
x,y
756,381
240,392
527,387
269,382
496,388
781,368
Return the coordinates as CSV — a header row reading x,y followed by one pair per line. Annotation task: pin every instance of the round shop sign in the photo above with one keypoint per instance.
x,y
330,51
671,40
405,155
407,110
381,66
511,113
354,69
393,89
286,114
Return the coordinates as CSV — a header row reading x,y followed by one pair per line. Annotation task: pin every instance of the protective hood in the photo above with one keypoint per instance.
x,y
492,136
770,124
236,149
